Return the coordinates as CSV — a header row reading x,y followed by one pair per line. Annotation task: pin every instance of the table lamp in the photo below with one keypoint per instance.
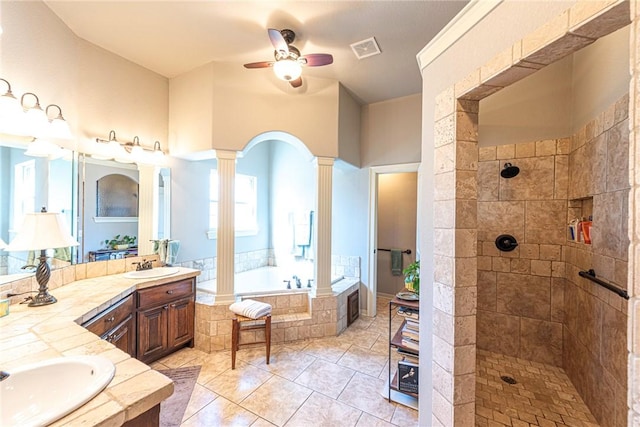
x,y
41,231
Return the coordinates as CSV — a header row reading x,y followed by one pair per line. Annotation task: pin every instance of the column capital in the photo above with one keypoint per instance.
x,y
324,161
225,154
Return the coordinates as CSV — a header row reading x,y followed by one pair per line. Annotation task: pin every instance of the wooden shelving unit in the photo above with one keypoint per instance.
x,y
395,342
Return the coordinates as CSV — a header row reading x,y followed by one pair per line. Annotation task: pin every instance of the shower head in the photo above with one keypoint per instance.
x,y
509,171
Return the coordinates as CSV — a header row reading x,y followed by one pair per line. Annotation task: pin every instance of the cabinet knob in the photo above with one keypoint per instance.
x,y
110,319
170,292
166,307
173,305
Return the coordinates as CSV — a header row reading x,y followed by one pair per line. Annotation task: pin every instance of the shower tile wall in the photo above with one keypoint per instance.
x,y
520,293
595,330
531,302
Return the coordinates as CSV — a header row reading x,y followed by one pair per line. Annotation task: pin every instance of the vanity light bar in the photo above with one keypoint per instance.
x,y
127,152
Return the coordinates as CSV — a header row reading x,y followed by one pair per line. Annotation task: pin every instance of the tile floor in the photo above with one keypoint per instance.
x,y
338,381
543,395
329,382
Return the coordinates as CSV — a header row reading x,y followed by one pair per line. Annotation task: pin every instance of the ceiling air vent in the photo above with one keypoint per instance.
x,y
365,48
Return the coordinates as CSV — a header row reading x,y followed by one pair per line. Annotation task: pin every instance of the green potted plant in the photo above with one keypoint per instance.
x,y
412,277
120,242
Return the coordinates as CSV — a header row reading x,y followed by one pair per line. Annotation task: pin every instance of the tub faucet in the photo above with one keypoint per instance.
x,y
288,282
298,282
309,283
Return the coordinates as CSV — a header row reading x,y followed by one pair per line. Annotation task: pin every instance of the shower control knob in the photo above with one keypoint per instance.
x,y
506,242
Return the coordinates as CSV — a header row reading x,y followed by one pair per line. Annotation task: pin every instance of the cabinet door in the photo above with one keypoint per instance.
x,y
181,321
152,333
123,336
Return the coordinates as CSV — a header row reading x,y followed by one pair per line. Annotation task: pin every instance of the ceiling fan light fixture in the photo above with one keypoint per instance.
x,y
287,69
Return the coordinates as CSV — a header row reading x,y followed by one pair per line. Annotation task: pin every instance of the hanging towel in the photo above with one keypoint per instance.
x,y
396,262
251,308
173,246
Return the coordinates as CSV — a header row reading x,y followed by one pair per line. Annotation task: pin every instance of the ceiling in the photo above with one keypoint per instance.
x,y
173,37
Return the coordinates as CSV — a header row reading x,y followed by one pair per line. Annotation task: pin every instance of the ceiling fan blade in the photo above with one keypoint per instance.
x,y
278,42
261,64
297,82
317,59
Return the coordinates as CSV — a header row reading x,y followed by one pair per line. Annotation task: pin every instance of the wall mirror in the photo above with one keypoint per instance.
x,y
27,184
67,185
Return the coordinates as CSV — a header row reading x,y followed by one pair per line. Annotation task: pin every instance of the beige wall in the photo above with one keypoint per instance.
x,y
96,90
397,206
349,128
560,98
218,107
391,132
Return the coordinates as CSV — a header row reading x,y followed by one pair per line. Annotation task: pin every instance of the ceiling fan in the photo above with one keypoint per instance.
x,y
288,61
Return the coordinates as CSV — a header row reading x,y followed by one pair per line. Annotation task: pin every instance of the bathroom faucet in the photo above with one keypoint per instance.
x,y
4,375
144,265
298,282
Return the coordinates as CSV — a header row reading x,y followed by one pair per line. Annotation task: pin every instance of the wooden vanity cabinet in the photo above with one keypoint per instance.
x,y
166,319
117,325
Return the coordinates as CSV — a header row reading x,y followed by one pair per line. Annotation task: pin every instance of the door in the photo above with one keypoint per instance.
x,y
123,336
152,333
181,322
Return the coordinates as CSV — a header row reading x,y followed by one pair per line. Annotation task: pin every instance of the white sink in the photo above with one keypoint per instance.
x,y
40,393
154,272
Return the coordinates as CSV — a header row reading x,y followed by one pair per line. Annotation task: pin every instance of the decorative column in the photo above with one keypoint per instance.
x,y
147,208
324,167
225,243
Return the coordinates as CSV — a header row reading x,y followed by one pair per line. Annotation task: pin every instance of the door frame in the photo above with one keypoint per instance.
x,y
374,171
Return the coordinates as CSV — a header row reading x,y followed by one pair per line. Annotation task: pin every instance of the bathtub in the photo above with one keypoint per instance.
x,y
264,281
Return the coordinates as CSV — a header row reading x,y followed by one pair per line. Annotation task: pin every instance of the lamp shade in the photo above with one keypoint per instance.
x,y
42,230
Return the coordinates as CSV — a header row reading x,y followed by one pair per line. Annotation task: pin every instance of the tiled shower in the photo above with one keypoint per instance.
x,y
532,304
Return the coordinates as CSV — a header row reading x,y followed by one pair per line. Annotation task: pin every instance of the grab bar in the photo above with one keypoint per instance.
x,y
591,275
408,251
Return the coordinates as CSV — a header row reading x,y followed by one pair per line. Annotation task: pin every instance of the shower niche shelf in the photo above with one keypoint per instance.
x,y
580,209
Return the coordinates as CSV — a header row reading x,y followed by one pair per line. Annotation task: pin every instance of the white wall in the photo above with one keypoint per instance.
x,y
349,128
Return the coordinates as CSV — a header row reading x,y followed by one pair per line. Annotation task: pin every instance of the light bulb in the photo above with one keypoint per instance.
x,y
287,69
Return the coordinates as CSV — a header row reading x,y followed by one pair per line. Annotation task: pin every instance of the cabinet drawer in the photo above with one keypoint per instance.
x,y
163,293
111,317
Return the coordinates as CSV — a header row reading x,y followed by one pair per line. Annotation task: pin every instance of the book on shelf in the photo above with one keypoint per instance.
x,y
412,324
410,344
408,356
407,353
408,333
409,313
407,376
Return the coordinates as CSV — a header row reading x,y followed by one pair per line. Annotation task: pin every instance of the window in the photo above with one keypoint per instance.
x,y
24,191
246,207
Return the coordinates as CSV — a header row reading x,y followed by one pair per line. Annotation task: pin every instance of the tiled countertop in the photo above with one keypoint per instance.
x,y
31,334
